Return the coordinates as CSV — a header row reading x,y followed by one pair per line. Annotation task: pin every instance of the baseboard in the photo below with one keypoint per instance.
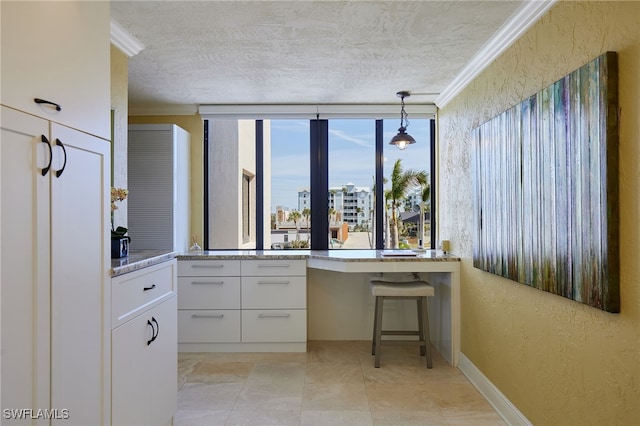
x,y
509,413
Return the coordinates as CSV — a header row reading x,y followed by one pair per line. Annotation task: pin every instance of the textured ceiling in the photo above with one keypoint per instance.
x,y
307,52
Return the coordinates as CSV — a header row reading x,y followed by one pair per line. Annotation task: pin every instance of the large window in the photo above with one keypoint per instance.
x,y
315,184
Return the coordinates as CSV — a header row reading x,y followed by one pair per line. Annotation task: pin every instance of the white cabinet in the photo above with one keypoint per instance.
x,y
59,52
54,263
159,187
209,301
242,305
144,346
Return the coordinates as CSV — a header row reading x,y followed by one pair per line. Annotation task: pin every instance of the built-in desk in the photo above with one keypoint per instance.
x,y
345,298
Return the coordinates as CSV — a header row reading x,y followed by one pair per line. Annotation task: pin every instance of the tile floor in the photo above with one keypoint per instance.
x,y
334,383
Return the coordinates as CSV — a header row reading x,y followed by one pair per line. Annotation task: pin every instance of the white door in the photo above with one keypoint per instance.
x,y
80,297
163,363
24,261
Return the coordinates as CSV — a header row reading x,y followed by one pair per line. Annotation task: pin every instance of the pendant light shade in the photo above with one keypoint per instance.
x,y
402,139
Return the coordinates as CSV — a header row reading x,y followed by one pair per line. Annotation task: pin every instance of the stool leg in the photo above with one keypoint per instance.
x,y
421,337
427,337
375,322
378,325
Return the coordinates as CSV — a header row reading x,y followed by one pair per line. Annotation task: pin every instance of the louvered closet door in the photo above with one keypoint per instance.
x,y
151,194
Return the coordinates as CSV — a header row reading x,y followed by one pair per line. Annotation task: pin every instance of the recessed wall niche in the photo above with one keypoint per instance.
x,y
546,188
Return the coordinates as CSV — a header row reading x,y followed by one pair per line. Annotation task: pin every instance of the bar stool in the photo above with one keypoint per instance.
x,y
413,290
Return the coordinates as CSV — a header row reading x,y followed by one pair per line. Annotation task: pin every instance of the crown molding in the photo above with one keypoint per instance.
x,y
528,14
120,38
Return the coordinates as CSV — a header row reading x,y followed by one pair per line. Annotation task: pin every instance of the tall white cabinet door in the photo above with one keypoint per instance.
x,y
24,261
58,51
80,292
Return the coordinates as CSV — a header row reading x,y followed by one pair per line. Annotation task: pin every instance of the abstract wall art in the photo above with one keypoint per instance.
x,y
546,188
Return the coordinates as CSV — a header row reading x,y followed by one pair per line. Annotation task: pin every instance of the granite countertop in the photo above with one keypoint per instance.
x,y
336,255
139,259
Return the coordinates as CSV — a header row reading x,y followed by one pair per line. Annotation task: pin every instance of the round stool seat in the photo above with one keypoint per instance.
x,y
401,288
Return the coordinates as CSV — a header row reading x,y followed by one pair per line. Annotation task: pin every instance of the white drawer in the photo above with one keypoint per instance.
x,y
202,326
137,291
208,268
274,292
271,267
275,326
208,293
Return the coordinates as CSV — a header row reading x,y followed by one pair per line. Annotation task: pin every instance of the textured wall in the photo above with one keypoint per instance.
x,y
119,111
558,361
192,124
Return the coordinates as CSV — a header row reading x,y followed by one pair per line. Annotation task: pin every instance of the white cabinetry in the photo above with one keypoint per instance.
x,y
209,301
54,221
54,263
58,51
242,305
159,186
144,346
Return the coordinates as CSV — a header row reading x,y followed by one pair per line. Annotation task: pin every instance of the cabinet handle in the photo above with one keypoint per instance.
x,y
157,329
43,101
274,282
153,332
149,288
207,266
207,316
207,282
273,315
59,143
46,169
269,265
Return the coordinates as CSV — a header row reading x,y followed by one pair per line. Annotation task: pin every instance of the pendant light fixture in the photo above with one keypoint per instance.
x,y
402,139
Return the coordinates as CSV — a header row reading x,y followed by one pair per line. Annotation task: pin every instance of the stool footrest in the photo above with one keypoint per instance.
x,y
400,332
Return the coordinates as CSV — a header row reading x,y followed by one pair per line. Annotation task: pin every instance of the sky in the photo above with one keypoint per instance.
x,y
351,154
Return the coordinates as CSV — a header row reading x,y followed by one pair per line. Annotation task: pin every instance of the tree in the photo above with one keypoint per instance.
x,y
401,181
306,213
295,217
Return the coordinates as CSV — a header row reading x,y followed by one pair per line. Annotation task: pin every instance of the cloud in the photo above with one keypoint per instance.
x,y
358,141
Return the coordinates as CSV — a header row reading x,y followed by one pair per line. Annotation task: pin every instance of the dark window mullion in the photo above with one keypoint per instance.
x,y
379,189
259,185
432,175
319,171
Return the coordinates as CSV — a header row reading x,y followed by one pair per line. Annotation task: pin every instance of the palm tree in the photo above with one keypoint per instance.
x,y
401,181
306,213
295,216
426,194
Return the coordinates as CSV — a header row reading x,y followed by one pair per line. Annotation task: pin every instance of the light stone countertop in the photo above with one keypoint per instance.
x,y
333,255
138,259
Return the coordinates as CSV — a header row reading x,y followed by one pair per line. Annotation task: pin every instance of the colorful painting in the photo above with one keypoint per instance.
x,y
546,188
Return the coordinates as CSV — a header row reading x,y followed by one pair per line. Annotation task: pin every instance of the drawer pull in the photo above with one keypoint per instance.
x,y
273,315
274,282
207,266
207,282
149,288
269,265
207,316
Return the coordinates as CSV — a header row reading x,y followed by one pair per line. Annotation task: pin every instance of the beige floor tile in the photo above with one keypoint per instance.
x,y
336,418
408,418
331,372
400,397
200,418
278,372
264,417
455,395
220,372
338,351
281,395
462,417
335,397
205,396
